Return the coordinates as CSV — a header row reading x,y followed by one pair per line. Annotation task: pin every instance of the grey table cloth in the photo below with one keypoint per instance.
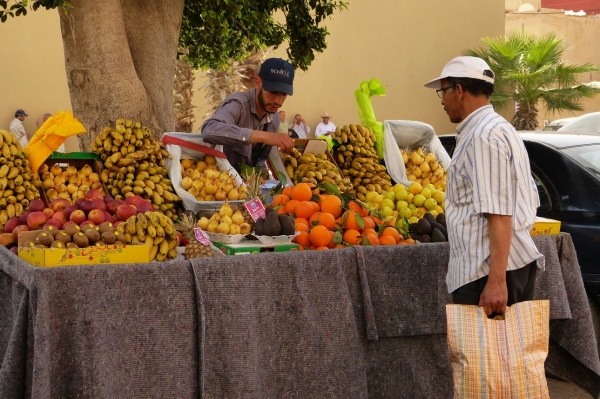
x,y
357,322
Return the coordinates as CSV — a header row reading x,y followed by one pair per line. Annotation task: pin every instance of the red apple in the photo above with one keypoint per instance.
x,y
60,216
180,237
145,207
112,206
53,222
94,193
23,217
68,210
87,206
124,212
48,212
18,229
77,216
108,217
99,204
79,201
37,205
15,250
107,199
7,240
11,224
58,204
35,220
96,216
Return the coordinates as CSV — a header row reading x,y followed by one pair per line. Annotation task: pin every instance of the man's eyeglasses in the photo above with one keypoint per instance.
x,y
442,91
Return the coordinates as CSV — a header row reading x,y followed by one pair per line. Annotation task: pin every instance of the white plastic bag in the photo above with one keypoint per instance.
x,y
409,135
185,150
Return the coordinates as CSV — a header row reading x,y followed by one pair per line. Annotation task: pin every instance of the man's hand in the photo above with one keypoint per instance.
x,y
495,293
494,297
283,141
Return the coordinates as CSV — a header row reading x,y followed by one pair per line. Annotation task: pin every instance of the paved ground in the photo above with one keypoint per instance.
x,y
566,390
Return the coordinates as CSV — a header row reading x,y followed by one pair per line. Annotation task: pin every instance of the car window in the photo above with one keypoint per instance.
x,y
588,156
545,202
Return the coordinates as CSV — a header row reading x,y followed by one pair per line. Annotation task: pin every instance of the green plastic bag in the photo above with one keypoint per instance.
x,y
369,88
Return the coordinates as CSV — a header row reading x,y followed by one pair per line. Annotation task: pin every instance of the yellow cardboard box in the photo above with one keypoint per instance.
x,y
107,255
545,227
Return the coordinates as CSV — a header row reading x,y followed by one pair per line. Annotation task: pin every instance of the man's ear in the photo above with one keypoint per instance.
x,y
258,83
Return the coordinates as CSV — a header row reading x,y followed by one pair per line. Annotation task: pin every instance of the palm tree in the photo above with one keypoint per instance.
x,y
530,70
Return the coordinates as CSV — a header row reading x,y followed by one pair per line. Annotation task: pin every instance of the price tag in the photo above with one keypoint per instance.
x,y
201,236
256,208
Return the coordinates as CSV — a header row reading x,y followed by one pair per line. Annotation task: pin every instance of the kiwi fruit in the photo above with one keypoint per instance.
x,y
28,244
63,237
72,229
71,245
100,244
39,246
44,238
118,242
88,226
57,244
92,234
81,240
106,226
108,237
50,230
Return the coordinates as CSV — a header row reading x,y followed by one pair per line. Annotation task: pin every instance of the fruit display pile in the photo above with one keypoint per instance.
x,y
205,182
275,224
154,229
18,184
227,221
314,168
359,162
134,164
70,183
74,236
424,168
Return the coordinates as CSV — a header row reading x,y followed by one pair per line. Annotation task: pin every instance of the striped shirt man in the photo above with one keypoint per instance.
x,y
489,173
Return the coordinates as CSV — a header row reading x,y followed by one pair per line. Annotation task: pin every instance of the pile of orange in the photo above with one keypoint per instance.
x,y
319,217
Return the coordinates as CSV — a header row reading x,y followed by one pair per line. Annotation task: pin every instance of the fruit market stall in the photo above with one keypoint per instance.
x,y
355,322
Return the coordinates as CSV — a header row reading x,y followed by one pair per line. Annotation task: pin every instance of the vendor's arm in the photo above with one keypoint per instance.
x,y
222,129
495,294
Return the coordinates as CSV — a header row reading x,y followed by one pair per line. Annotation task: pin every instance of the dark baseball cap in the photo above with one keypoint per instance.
x,y
20,112
277,75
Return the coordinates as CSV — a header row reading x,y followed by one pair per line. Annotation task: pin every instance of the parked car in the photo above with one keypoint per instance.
x,y
588,123
566,170
557,124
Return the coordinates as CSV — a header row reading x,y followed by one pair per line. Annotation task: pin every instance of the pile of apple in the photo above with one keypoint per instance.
x,y
94,208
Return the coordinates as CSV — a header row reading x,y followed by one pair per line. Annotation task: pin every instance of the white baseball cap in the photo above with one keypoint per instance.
x,y
464,67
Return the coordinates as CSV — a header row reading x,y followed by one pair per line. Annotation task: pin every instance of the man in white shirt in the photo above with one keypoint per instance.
x,y
283,127
16,127
325,128
491,198
300,127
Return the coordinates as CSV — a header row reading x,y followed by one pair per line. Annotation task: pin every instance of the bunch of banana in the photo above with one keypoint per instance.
x,y
18,184
314,168
359,162
424,168
134,164
205,182
154,229
70,183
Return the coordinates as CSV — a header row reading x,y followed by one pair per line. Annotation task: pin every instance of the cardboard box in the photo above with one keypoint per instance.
x,y
544,227
314,146
254,247
108,255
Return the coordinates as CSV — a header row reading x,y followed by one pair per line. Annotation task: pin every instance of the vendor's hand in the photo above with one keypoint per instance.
x,y
283,141
494,297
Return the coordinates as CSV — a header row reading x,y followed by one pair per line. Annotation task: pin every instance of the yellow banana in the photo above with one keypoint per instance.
x,y
7,136
164,247
131,228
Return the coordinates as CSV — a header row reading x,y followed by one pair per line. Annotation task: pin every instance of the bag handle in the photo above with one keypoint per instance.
x,y
193,146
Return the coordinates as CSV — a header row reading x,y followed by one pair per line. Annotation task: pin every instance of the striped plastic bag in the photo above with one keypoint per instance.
x,y
500,359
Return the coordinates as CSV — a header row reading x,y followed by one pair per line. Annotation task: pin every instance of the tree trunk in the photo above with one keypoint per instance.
x,y
120,56
526,117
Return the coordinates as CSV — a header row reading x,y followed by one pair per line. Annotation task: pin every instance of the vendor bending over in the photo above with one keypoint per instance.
x,y
247,123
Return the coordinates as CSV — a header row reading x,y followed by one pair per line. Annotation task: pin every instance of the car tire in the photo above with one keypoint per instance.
x,y
595,310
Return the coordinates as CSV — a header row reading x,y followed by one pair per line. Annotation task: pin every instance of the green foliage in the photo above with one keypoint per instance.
x,y
215,31
20,7
530,69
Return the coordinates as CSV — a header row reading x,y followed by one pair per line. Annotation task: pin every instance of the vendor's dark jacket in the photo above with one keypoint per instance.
x,y
232,126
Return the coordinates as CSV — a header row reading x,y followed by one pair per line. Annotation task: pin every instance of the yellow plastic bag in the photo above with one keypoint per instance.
x,y
50,136
500,359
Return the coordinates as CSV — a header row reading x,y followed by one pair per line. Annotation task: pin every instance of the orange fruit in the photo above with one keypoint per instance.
x,y
372,238
301,192
303,221
314,188
290,207
326,219
339,246
300,247
332,204
316,206
304,210
392,232
387,240
280,199
352,236
355,206
319,236
303,239
287,190
369,223
350,220
331,244
321,248
376,220
312,222
409,241
281,211
369,231
302,227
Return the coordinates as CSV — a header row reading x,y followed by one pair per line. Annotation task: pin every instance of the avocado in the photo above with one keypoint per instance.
x,y
437,236
269,210
272,225
440,218
288,226
416,237
430,218
425,238
423,227
412,228
441,228
259,227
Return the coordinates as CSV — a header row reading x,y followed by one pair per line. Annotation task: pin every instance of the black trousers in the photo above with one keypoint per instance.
x,y
520,284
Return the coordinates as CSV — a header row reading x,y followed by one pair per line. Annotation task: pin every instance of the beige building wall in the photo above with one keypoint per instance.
x,y
580,34
33,70
403,44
